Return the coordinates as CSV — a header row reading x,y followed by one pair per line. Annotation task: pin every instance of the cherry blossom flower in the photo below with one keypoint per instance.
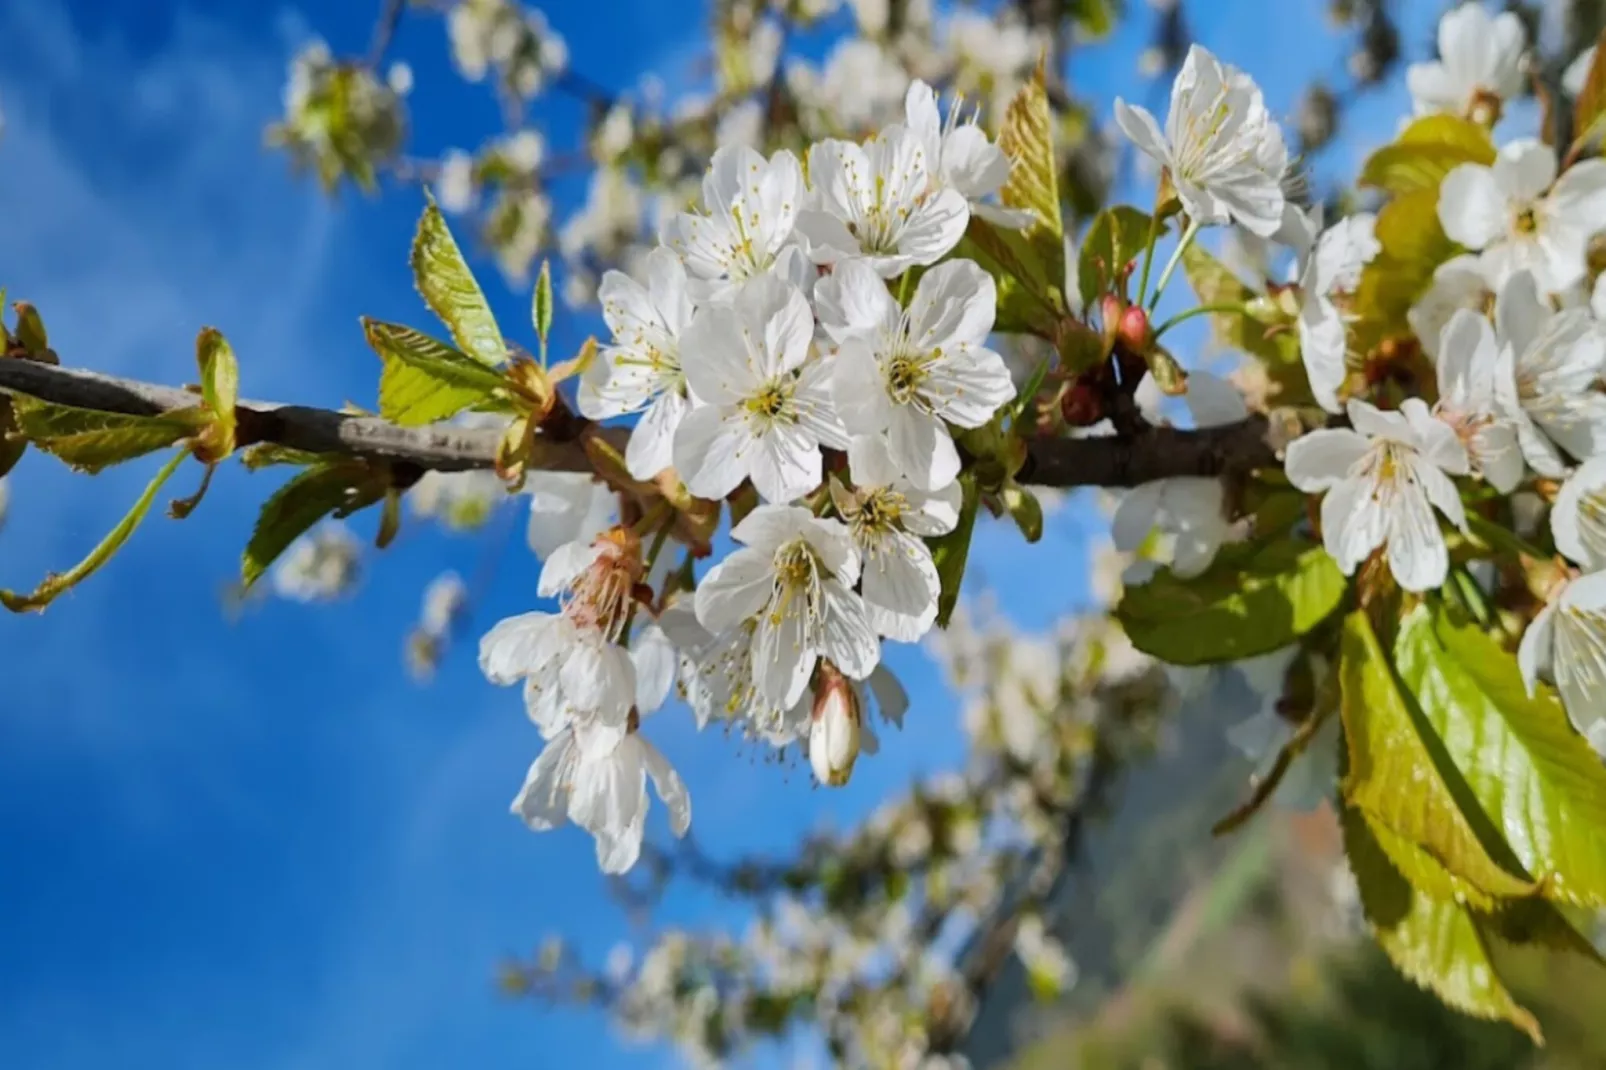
x,y
1382,478
873,201
1578,518
1566,645
1522,217
567,507
965,159
1548,385
908,374
716,676
1480,65
889,518
640,371
1328,279
750,207
1189,510
1469,367
570,661
320,566
768,405
794,576
1460,282
1223,152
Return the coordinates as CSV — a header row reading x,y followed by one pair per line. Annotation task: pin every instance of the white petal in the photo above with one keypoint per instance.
x,y
935,228
769,527
783,654
922,448
520,645
953,306
711,452
1535,650
717,359
870,462
734,590
1524,169
968,385
671,789
848,639
566,507
854,301
859,390
655,661
1137,124
543,802
565,565
785,463
1353,524
599,679
901,588
1319,460
1417,555
1135,517
651,448
934,513
1323,347
1472,207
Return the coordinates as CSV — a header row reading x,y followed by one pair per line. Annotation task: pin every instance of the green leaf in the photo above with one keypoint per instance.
x,y
448,286
1029,296
220,383
1534,776
1430,148
1438,944
1255,598
1027,138
307,498
1589,111
542,310
1276,343
1398,782
54,585
91,440
1413,246
950,551
1117,237
1093,18
268,454
425,380
1026,511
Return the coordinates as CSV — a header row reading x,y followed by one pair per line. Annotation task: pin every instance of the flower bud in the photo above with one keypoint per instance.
x,y
1134,330
834,727
1082,404
1111,309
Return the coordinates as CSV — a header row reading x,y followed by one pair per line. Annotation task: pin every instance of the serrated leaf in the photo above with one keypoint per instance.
x,y
541,313
295,507
1027,138
1589,111
1117,237
220,384
448,286
1536,778
12,444
1255,598
1439,945
268,454
425,380
1396,779
950,552
1029,299
1427,150
91,440
56,584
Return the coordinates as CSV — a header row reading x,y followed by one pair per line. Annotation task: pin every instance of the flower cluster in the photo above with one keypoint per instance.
x,y
763,344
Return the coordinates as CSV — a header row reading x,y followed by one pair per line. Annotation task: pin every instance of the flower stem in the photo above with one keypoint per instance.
x,y
1148,253
1202,310
1498,538
1176,258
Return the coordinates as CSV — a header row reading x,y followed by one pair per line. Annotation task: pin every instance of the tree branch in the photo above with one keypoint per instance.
x,y
1113,461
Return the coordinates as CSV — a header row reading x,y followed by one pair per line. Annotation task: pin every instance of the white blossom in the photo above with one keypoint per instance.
x,y
1522,217
1190,511
573,668
1578,518
889,519
908,374
455,187
1480,65
767,405
1548,386
716,676
640,371
1460,282
794,577
1469,369
873,201
1328,279
1566,645
319,566
750,207
567,507
1576,76
459,500
1382,478
965,159
445,599
1225,155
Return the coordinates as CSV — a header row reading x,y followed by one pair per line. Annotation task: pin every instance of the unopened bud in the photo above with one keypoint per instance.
x,y
1168,374
1134,330
834,727
1111,309
1082,404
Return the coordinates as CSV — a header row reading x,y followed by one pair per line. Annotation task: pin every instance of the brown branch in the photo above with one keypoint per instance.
x,y
385,31
1156,453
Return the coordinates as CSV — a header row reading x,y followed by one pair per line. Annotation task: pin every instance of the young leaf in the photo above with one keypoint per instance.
x,y
306,499
1254,599
542,311
12,443
1027,138
447,285
1534,776
1438,944
1589,111
1414,245
1117,237
1427,150
1029,300
1276,344
58,583
91,440
950,551
1395,779
220,385
425,380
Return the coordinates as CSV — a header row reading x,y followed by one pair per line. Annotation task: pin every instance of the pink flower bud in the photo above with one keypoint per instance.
x,y
834,728
1134,330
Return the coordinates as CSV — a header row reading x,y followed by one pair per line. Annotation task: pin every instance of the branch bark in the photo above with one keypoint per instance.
x,y
1114,461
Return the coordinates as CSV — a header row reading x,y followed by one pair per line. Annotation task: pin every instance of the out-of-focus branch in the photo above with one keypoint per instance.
x,y
1115,461
385,31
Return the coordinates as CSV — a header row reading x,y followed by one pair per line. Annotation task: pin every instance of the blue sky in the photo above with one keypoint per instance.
x,y
253,843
